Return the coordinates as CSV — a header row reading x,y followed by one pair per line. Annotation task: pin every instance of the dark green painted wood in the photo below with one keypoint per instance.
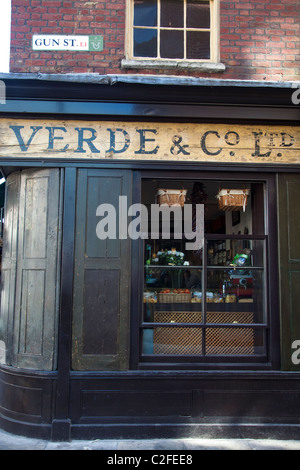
x,y
100,336
33,256
101,277
289,263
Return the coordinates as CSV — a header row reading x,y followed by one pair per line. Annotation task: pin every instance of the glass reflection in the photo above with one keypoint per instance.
x,y
171,44
212,302
145,43
172,341
198,45
198,14
238,253
238,294
145,13
230,341
172,14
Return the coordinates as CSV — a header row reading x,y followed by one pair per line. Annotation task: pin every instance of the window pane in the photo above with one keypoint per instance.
x,y
235,296
231,342
238,253
172,13
198,14
173,341
219,216
145,13
212,302
145,43
163,302
171,44
166,277
198,45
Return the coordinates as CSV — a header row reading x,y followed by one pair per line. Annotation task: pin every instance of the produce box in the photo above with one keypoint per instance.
x,y
175,296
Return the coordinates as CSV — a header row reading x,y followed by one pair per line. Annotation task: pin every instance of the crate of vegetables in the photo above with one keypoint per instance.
x,y
174,296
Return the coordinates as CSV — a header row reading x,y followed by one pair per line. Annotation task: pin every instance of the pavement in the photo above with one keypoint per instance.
x,y
11,442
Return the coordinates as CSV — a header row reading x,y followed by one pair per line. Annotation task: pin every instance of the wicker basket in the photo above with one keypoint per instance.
x,y
233,199
173,298
171,197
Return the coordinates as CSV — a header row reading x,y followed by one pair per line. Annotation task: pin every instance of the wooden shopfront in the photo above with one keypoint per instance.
x,y
140,334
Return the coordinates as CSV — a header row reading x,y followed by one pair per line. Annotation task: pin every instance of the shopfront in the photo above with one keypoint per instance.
x,y
150,270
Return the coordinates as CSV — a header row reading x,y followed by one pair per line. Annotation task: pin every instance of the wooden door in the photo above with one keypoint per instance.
x,y
8,265
30,270
289,265
101,277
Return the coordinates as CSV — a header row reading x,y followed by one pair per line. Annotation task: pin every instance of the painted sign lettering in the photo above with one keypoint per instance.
x,y
150,141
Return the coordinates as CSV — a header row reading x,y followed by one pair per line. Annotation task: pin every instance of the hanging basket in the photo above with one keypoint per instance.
x,y
233,199
171,197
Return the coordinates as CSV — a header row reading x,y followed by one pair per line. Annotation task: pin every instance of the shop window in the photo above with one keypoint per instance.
x,y
173,30
207,304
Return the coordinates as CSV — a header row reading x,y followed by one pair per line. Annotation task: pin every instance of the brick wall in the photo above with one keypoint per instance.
x,y
259,38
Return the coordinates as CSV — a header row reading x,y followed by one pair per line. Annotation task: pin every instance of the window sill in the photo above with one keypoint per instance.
x,y
165,64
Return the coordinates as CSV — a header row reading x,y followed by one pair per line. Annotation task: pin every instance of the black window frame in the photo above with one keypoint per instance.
x,y
272,329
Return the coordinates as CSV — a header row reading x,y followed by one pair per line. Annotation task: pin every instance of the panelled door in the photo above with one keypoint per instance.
x,y
289,267
102,272
30,266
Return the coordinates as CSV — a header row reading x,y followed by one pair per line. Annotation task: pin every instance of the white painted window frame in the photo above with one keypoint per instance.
x,y
212,64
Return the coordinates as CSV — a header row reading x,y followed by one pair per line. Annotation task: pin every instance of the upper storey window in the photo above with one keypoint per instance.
x,y
173,30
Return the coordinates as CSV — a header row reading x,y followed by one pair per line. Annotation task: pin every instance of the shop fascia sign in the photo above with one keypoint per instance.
x,y
46,42
153,141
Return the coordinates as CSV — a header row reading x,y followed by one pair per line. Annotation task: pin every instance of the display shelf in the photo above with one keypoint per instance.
x,y
210,306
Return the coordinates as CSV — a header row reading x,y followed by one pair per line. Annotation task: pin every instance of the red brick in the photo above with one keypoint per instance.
x,y
258,38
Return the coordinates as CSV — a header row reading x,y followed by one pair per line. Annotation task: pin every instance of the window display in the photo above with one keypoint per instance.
x,y
208,303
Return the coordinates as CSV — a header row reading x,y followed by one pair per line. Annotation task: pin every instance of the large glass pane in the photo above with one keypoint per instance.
x,y
171,274
238,253
172,281
233,342
171,44
198,14
171,288
227,209
212,301
173,341
235,296
197,45
171,13
145,43
145,13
